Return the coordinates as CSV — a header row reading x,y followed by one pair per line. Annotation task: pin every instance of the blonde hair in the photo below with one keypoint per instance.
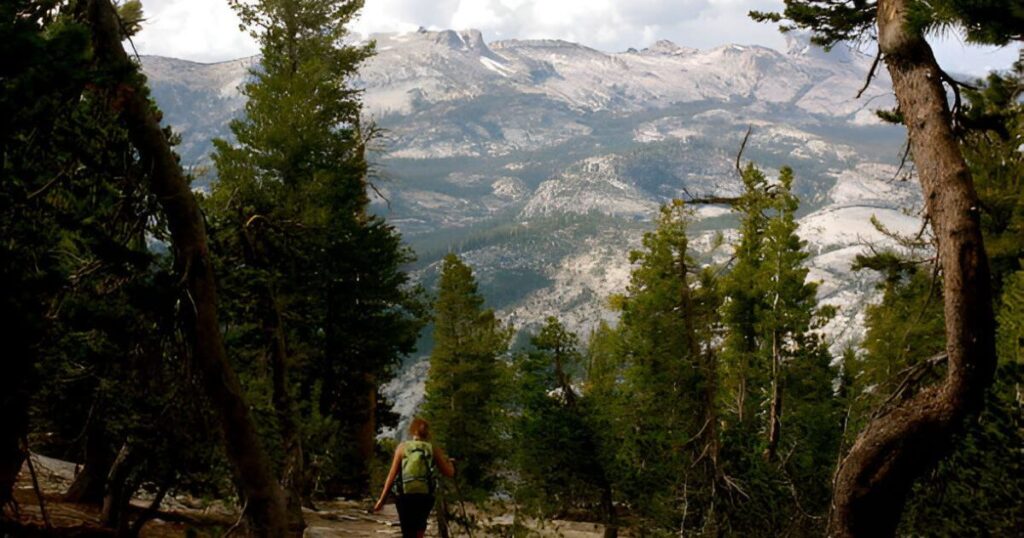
x,y
419,428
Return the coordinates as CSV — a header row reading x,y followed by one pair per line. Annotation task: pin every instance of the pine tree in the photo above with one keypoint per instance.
x,y
975,486
557,454
663,415
904,330
314,279
97,346
894,450
776,365
745,300
791,312
462,388
994,116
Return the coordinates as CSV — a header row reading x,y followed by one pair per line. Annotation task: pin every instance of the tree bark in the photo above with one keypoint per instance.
x,y
90,483
13,426
251,465
874,478
292,472
775,406
17,380
366,430
118,491
611,523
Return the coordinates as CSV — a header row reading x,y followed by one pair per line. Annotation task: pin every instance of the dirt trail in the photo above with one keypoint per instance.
x,y
191,517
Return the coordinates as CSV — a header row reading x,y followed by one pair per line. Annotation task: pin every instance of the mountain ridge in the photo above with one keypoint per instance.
x,y
542,162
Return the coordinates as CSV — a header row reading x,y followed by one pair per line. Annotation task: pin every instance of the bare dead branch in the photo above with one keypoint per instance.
x,y
715,200
743,145
376,191
46,187
911,375
151,511
871,74
904,159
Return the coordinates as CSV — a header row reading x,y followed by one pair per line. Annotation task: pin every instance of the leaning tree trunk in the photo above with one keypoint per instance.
x,y
874,478
91,481
251,465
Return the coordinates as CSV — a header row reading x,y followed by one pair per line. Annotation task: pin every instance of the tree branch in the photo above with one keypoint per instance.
x,y
743,145
871,74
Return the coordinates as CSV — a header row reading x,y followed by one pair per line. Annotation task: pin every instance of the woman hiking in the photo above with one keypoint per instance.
x,y
412,474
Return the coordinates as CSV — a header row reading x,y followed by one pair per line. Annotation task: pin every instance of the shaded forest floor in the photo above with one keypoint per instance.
x,y
184,516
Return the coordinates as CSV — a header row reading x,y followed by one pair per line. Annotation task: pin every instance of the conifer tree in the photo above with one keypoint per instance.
x,y
974,487
900,445
79,208
557,454
667,421
791,312
776,365
124,92
462,388
741,375
314,279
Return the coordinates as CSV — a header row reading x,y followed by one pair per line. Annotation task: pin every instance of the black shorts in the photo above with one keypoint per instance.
x,y
413,511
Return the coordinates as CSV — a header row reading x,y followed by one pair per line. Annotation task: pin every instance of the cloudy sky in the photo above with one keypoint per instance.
x,y
207,30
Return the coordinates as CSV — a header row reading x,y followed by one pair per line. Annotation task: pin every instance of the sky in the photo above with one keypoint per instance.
x,y
207,30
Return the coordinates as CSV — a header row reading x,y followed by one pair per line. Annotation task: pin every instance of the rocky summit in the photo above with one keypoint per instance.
x,y
543,162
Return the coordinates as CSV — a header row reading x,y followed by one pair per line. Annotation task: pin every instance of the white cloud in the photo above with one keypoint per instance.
x,y
200,30
476,15
207,30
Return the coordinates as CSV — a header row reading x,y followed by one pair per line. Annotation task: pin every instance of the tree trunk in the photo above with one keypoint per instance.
x,y
775,406
710,408
366,430
90,483
199,301
13,426
611,523
441,512
118,492
292,472
17,380
874,478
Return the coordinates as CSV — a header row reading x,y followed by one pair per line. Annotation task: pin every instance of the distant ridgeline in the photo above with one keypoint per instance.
x,y
487,143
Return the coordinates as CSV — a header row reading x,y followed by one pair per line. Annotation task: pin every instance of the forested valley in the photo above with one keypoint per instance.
x,y
227,347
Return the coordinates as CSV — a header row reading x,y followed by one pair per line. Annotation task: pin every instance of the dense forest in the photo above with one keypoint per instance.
x,y
232,343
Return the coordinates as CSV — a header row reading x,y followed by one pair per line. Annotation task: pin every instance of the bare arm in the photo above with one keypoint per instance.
x,y
396,464
443,463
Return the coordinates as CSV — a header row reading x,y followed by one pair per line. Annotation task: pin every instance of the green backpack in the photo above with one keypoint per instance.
x,y
417,469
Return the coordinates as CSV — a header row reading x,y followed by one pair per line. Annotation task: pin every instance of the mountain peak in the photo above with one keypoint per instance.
x,y
459,40
798,43
666,47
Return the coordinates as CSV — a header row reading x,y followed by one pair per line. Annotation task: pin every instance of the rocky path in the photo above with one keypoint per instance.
x,y
196,518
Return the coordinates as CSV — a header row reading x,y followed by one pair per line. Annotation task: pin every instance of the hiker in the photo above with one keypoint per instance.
x,y
417,460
